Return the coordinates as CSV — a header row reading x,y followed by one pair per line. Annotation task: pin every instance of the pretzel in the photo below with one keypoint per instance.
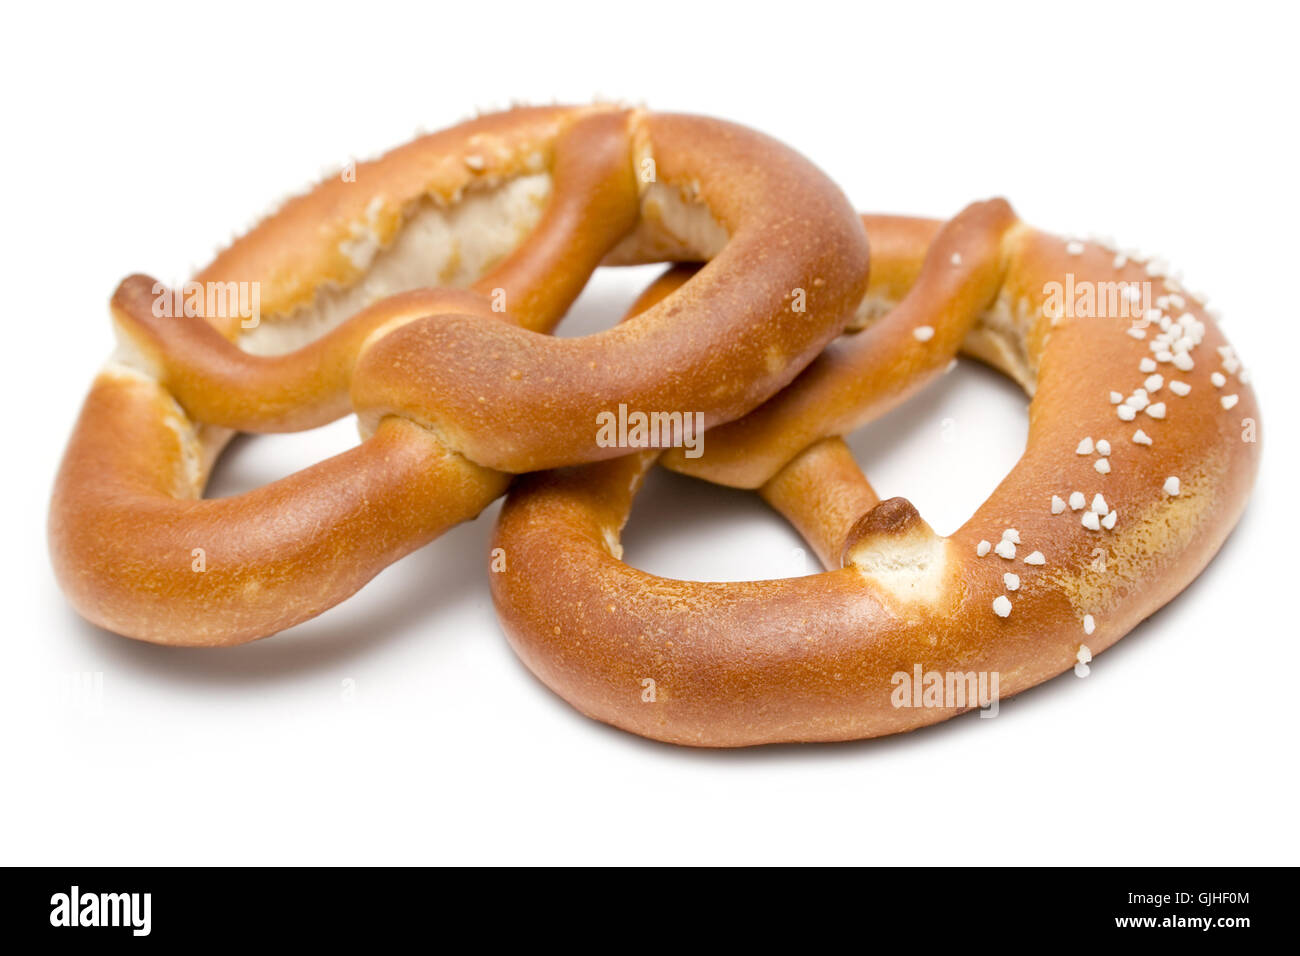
x,y
415,292
1139,460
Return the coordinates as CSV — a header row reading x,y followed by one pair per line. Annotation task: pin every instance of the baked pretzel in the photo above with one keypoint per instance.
x,y
415,292
1140,457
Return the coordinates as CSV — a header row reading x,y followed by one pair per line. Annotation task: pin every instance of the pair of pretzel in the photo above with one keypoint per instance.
x,y
1138,447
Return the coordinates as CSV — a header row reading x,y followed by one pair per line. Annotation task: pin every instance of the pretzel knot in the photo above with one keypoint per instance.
x,y
1141,452
415,292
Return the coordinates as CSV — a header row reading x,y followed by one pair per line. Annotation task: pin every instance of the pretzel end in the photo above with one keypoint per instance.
x,y
894,546
136,294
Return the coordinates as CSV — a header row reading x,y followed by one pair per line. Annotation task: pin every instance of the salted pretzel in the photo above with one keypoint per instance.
x,y
1140,457
414,290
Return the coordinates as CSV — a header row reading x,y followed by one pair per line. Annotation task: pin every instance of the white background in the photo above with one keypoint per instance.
x,y
140,139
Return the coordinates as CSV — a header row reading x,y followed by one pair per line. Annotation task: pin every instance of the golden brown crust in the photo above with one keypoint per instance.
x,y
139,552
716,349
817,658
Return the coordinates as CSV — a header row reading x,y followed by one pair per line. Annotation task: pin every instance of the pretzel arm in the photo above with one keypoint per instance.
x,y
860,377
595,204
219,383
822,493
143,555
